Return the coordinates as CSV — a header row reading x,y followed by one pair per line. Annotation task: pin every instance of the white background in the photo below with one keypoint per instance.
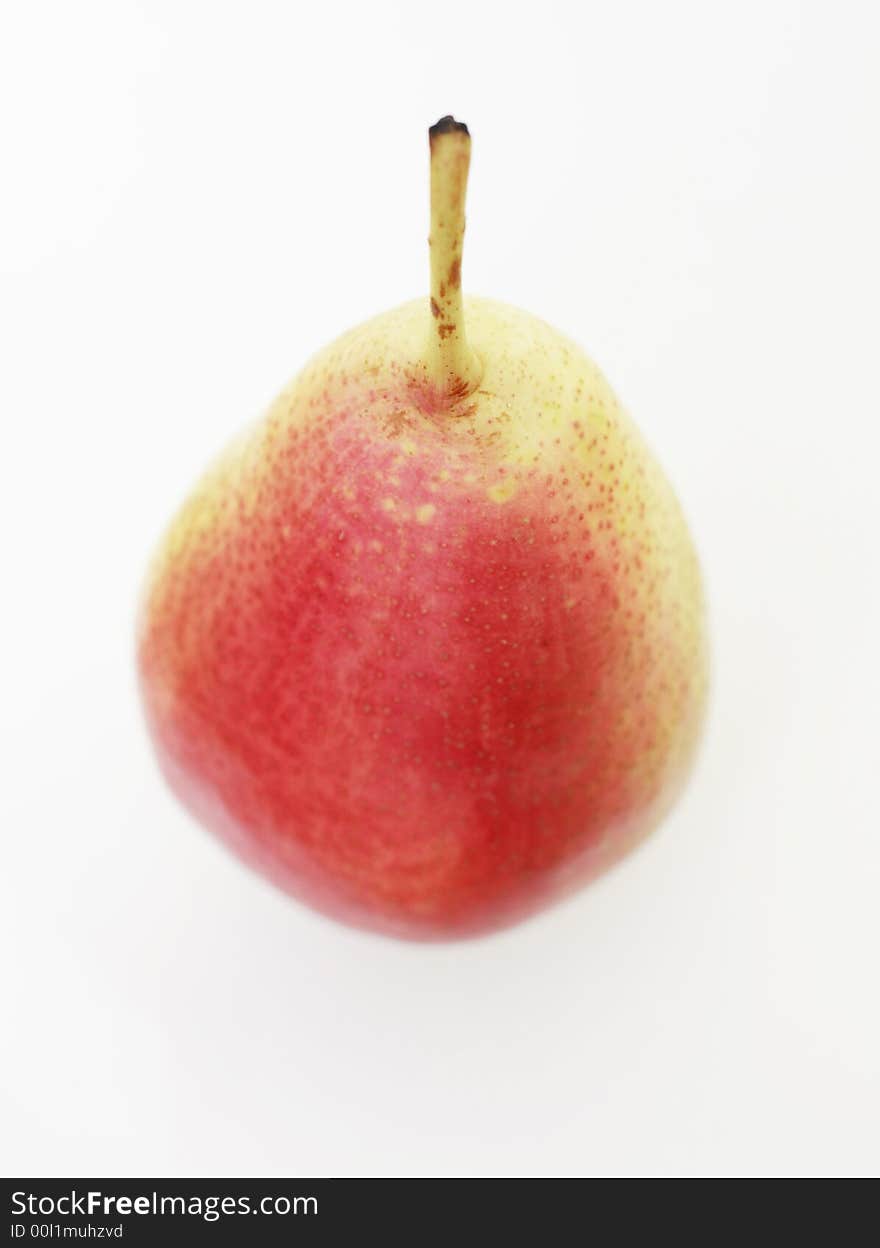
x,y
195,197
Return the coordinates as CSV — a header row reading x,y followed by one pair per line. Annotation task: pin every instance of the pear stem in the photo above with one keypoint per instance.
x,y
452,365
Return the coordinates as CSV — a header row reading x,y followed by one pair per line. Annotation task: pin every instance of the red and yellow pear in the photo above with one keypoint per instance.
x,y
427,646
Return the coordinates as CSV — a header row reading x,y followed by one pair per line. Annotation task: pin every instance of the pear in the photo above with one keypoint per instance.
x,y
427,647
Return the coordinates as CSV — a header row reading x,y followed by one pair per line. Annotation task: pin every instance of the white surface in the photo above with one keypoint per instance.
x,y
196,197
